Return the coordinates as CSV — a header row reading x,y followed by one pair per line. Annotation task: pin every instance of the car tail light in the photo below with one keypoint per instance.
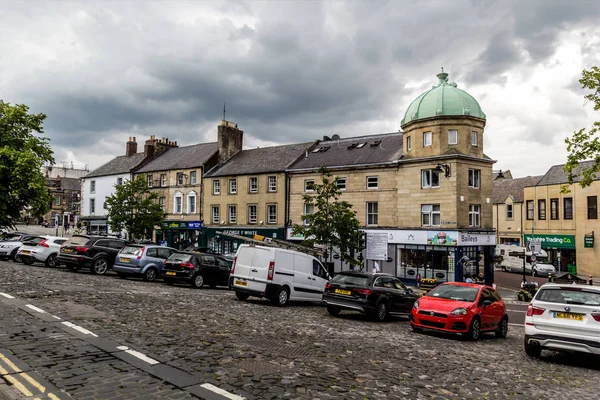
x,y
232,270
82,249
271,271
187,265
531,311
596,316
139,257
363,291
328,285
43,243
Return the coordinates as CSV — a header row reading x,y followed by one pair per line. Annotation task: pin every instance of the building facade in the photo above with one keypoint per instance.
x,y
65,207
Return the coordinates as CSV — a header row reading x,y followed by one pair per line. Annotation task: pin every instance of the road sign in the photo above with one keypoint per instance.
x,y
377,246
534,246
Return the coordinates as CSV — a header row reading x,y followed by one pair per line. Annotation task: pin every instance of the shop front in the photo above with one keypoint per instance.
x,y
560,249
179,234
222,244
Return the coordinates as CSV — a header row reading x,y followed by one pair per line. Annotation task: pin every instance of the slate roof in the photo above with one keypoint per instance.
x,y
118,165
556,175
70,184
261,160
182,157
344,152
504,187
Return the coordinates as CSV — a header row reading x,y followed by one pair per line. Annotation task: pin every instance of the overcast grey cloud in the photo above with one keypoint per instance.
x,y
292,71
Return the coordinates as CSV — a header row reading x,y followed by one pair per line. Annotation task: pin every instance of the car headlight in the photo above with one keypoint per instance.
x,y
416,305
459,311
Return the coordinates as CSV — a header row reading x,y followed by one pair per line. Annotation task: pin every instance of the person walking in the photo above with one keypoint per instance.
x,y
376,269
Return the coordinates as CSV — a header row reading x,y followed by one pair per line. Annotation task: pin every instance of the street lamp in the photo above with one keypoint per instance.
x,y
445,168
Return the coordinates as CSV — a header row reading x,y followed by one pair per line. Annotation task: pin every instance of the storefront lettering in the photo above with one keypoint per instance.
x,y
468,239
239,232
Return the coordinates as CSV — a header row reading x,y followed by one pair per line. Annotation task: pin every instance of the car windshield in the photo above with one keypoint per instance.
x,y
351,280
32,241
569,296
77,241
454,292
180,257
133,250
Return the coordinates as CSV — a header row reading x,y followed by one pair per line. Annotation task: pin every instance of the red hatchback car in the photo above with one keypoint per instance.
x,y
461,308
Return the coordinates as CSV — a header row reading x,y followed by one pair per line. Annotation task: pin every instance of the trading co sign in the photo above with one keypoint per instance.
x,y
554,241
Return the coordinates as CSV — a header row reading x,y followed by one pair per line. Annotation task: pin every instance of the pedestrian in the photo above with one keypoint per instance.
x,y
469,279
376,267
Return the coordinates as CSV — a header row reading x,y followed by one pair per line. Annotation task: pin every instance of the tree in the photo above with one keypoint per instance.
x,y
134,208
333,222
22,155
584,145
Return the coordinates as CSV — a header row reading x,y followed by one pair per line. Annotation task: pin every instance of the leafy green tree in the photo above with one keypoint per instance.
x,y
134,208
333,222
22,154
584,145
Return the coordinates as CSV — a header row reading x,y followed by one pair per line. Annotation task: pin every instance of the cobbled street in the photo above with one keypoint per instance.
x,y
258,351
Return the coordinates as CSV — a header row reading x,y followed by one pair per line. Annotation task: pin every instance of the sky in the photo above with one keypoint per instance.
x,y
294,71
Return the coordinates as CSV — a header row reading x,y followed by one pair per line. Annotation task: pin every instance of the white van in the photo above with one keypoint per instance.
x,y
276,274
514,263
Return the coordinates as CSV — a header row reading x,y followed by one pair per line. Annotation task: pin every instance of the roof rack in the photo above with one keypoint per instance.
x,y
276,243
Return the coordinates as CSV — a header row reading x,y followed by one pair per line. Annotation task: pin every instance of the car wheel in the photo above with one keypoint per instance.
x,y
15,257
27,261
381,312
502,328
150,275
100,266
242,296
198,281
532,351
168,282
475,329
283,295
333,310
51,261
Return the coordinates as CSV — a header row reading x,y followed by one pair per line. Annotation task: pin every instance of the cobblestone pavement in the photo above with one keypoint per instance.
x,y
258,351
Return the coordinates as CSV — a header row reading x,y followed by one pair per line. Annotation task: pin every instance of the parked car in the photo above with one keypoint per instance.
x,y
196,269
563,317
462,308
9,245
377,295
97,253
142,260
277,274
41,249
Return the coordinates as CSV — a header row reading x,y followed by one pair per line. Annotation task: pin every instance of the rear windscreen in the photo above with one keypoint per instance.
x,y
33,240
351,280
133,250
180,257
77,241
569,296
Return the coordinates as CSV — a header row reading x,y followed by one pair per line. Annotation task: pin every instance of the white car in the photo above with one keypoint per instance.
x,y
41,249
563,317
9,245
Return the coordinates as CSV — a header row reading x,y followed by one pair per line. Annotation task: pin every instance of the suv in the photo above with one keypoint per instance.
x,y
563,317
142,260
42,249
197,269
94,252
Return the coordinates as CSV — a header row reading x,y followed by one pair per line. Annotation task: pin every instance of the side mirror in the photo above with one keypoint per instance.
x,y
487,303
410,291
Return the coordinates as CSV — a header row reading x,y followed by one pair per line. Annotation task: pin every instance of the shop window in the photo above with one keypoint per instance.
x,y
530,209
272,213
509,211
92,186
568,207
474,178
308,210
372,182
253,184
554,213
427,139
542,209
592,207
163,180
430,178
178,203
215,214
191,200
149,180
408,143
474,215
474,139
232,214
430,215
272,183
341,183
452,136
216,186
233,186
309,185
252,214
372,213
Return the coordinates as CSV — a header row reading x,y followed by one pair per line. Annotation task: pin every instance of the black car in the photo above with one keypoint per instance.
x,y
94,252
377,295
197,269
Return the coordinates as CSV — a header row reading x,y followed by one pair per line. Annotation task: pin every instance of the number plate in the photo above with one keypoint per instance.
x,y
341,291
576,317
170,273
25,252
67,250
125,259
240,283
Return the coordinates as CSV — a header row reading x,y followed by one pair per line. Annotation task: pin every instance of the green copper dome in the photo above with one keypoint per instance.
x,y
444,99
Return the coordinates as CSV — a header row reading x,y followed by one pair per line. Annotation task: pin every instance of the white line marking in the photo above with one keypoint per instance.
x,y
78,328
513,324
56,317
122,347
142,357
222,392
521,311
34,308
8,296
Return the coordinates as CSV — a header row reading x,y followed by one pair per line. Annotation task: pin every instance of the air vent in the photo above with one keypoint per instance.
x,y
376,143
352,146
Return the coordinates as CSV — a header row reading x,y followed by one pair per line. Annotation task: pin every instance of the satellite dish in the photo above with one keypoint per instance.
x,y
335,137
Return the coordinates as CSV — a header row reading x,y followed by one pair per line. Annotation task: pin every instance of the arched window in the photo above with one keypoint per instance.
x,y
178,203
191,202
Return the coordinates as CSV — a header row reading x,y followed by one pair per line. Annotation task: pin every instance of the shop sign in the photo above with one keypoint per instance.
x,y
554,241
291,235
476,239
588,241
173,225
194,224
401,236
377,246
244,232
442,238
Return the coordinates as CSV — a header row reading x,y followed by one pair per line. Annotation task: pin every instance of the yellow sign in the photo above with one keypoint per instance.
x,y
258,237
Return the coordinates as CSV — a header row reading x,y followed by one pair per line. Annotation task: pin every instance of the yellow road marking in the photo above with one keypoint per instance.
x,y
18,385
53,397
33,382
28,378
3,371
9,363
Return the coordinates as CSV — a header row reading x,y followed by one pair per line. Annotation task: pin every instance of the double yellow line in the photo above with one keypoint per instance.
x,y
22,380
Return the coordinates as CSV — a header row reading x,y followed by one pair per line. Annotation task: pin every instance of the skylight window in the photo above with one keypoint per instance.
x,y
316,150
353,145
360,145
376,143
325,148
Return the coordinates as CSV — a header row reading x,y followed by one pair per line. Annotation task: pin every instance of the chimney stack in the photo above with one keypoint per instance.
x,y
149,148
131,147
229,140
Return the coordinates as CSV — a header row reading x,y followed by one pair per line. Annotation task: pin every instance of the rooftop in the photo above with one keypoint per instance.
x,y
556,175
182,157
118,165
502,188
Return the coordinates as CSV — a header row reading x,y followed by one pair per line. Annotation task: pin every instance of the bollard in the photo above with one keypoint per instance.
x,y
590,281
550,278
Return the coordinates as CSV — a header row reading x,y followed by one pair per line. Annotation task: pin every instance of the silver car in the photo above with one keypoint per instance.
x,y
145,260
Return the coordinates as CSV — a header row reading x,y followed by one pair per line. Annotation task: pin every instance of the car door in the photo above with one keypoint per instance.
x,y
163,254
114,246
403,297
303,276
498,308
152,257
319,279
223,267
487,312
209,267
385,287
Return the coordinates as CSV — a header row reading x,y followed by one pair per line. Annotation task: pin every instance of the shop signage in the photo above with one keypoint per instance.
x,y
588,241
174,225
478,239
244,232
553,241
377,246
194,224
402,236
442,238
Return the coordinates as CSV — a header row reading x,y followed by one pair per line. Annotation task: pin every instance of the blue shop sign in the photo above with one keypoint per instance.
x,y
194,224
